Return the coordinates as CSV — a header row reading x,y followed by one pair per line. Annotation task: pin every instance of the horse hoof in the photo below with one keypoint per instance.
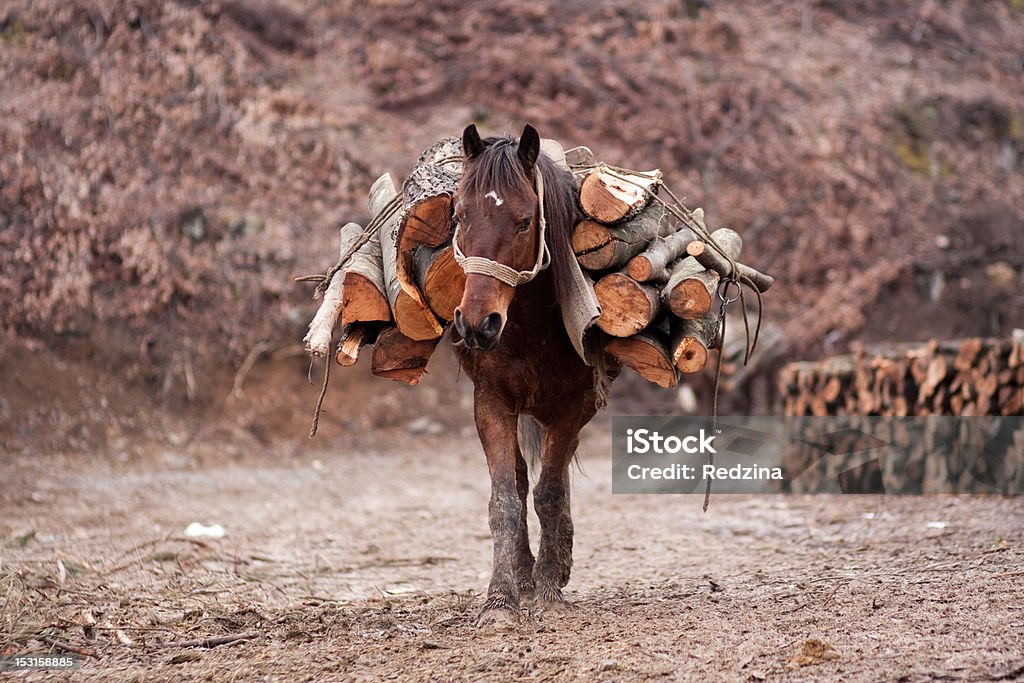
x,y
551,600
498,619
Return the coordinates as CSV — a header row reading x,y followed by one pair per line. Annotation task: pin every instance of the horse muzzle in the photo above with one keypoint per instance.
x,y
483,336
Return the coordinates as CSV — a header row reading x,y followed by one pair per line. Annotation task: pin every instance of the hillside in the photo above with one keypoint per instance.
x,y
167,169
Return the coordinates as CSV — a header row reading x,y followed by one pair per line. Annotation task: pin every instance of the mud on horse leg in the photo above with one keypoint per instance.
x,y
523,556
551,501
496,425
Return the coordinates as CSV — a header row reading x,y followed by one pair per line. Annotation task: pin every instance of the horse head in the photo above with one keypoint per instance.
x,y
499,238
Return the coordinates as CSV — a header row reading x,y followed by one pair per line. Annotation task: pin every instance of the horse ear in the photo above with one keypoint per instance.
x,y
529,147
472,145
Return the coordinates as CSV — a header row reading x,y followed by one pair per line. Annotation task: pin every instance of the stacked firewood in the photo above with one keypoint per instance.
x,y
979,378
968,377
657,278
397,283
401,284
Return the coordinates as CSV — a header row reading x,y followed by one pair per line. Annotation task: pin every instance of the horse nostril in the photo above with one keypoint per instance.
x,y
491,325
460,323
489,330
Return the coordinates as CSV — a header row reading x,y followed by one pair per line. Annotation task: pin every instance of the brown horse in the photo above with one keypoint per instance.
x,y
513,345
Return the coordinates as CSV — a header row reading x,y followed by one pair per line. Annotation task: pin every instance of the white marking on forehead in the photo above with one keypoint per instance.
x,y
498,201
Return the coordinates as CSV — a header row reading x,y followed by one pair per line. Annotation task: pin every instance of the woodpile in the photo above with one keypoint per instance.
x,y
655,266
657,269
967,377
977,378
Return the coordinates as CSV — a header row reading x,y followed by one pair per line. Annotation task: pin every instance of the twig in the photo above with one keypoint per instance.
x,y
243,370
289,351
157,629
67,647
212,641
190,381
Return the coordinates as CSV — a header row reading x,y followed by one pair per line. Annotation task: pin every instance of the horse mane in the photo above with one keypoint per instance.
x,y
498,168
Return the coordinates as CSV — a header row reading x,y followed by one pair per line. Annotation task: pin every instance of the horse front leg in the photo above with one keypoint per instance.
x,y
496,425
551,501
523,556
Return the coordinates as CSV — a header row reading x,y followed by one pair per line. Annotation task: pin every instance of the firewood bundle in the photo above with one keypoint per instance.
x,y
968,377
397,283
972,377
657,272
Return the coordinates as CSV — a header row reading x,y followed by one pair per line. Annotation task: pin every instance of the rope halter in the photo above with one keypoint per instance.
x,y
499,271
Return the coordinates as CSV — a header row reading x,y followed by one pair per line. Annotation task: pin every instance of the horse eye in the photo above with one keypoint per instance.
x,y
524,225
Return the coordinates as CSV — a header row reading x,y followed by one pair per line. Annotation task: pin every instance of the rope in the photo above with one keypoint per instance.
x,y
499,271
684,215
714,418
369,231
320,401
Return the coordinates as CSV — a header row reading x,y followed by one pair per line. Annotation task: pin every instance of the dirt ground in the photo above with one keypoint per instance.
x,y
366,560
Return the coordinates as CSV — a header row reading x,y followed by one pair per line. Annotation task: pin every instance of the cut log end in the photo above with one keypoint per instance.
x,y
691,340
400,358
348,349
443,283
362,301
627,306
690,355
602,247
414,320
429,223
640,268
645,357
594,245
608,198
691,298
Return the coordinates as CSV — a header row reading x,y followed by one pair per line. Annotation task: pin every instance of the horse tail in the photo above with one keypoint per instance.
x,y
531,438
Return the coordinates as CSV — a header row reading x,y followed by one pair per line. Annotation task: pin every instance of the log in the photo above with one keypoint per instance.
x,y
400,358
553,150
363,297
691,288
601,247
321,328
441,279
712,260
691,340
612,197
934,376
354,336
427,208
579,157
413,317
647,354
627,306
961,377
652,265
